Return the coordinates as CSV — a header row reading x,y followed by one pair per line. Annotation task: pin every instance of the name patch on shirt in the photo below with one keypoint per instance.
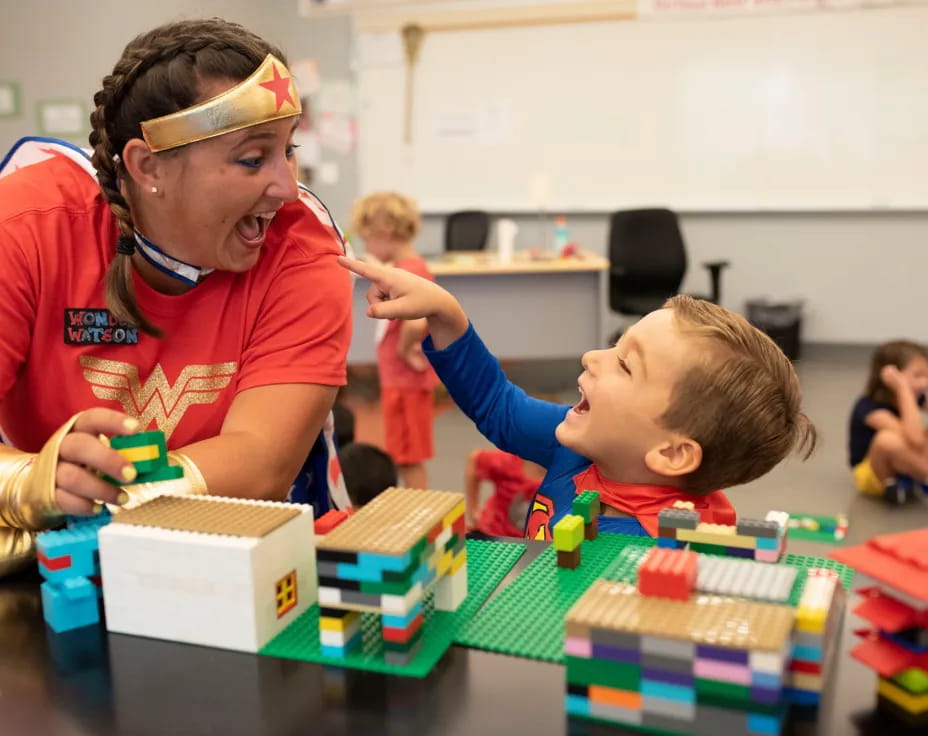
x,y
97,327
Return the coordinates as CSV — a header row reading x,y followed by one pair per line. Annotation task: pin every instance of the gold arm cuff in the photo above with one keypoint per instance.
x,y
27,484
17,549
192,484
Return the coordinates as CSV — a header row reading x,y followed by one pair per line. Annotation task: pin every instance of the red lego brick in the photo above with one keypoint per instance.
x,y
882,655
668,573
54,563
329,520
899,561
885,612
459,526
809,668
401,636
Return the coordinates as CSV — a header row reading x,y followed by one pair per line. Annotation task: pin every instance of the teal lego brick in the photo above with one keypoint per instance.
x,y
487,564
568,533
586,505
70,605
79,544
526,619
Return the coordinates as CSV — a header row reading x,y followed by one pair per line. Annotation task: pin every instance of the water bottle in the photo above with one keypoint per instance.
x,y
561,238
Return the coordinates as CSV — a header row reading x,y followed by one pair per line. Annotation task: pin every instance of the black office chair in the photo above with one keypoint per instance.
x,y
467,230
647,262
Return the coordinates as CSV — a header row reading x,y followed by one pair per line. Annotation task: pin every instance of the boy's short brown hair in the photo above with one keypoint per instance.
x,y
739,398
390,212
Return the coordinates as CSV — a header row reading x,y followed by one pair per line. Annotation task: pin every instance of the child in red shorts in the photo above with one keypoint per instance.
x,y
514,484
388,223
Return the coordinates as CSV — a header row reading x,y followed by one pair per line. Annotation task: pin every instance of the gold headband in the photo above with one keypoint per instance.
x,y
268,94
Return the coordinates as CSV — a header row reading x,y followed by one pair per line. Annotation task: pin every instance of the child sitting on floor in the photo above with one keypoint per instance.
x,y
692,399
886,436
503,515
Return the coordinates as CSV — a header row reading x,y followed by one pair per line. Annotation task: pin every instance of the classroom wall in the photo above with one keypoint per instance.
x,y
860,274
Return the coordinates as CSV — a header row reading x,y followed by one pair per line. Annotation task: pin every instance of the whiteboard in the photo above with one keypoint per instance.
x,y
815,111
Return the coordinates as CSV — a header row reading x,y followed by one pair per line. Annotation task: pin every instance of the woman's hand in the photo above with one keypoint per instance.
x,y
82,456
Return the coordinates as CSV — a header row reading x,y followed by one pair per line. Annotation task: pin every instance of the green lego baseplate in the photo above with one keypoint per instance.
x,y
487,564
526,619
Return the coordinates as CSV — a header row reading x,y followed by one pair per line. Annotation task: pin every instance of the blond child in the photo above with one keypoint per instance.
x,y
692,399
388,223
886,436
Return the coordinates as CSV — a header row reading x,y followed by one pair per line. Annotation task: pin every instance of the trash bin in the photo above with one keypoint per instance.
x,y
782,321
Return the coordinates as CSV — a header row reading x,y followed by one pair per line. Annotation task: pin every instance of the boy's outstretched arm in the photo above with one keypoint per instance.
x,y
398,294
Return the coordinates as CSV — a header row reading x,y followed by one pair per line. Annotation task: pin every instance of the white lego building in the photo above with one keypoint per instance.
x,y
219,572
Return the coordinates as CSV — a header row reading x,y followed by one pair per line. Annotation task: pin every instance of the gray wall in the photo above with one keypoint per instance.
x,y
861,275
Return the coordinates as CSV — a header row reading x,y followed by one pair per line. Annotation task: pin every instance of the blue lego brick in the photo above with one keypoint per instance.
x,y
910,646
666,691
739,552
401,622
577,705
801,697
384,562
79,542
807,653
665,543
362,573
71,605
766,680
763,724
767,543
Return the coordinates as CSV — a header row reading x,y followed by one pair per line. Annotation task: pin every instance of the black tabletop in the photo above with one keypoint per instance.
x,y
90,682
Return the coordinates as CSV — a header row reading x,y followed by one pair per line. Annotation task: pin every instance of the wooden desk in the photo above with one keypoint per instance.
x,y
527,308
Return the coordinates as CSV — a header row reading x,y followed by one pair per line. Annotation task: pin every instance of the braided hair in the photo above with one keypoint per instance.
x,y
160,72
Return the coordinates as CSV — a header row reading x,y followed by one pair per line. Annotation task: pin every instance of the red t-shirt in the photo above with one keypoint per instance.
x,y
286,320
506,473
394,371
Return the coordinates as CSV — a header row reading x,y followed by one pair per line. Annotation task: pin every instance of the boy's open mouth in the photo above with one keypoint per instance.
x,y
582,406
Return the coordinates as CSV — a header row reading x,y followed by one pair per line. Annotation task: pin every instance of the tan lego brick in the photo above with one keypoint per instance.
x,y
716,534
703,619
393,522
210,515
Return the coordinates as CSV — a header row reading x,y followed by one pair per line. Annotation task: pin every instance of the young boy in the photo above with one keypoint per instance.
x,y
692,399
368,471
388,223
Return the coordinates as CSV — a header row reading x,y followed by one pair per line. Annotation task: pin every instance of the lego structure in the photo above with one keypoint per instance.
x,y
897,609
568,535
761,540
703,664
586,505
384,559
70,565
221,572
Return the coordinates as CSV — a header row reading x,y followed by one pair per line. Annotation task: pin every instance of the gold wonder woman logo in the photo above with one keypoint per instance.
x,y
113,380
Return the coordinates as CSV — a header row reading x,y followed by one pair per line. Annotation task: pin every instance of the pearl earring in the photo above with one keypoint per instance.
x,y
154,190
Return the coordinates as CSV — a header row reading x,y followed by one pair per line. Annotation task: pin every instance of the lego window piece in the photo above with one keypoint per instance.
x,y
286,593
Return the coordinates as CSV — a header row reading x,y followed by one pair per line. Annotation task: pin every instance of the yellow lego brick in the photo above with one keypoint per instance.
x,y
394,522
914,704
138,454
810,620
459,562
435,558
703,619
338,624
445,562
726,539
806,681
452,515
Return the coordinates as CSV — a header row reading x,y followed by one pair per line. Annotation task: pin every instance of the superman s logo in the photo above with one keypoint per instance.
x,y
539,518
155,398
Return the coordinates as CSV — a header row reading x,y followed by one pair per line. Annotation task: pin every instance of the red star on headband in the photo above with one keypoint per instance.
x,y
280,86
